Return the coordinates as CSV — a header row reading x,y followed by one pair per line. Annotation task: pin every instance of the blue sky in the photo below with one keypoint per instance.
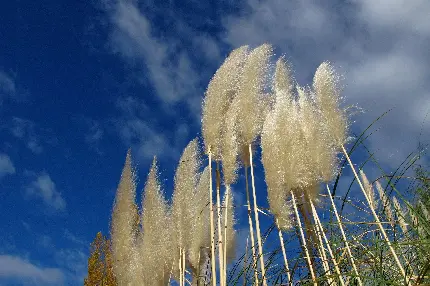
x,y
82,81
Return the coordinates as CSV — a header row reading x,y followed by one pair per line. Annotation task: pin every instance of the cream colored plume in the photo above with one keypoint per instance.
x,y
186,178
368,188
123,225
220,92
200,230
230,144
156,231
250,96
282,83
327,89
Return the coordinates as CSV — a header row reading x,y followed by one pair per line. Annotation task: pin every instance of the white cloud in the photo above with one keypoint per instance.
x,y
14,267
25,130
7,85
6,165
74,261
146,141
382,52
169,68
44,187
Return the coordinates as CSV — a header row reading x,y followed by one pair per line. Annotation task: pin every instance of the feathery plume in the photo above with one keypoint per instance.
x,y
327,89
250,96
220,91
230,146
200,231
186,178
368,188
386,205
122,226
400,215
156,231
282,84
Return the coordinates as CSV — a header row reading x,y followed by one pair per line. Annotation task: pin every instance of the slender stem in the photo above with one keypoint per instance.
x,y
220,244
244,261
212,222
345,240
183,267
302,236
384,234
180,266
321,230
321,252
257,222
251,228
227,193
284,253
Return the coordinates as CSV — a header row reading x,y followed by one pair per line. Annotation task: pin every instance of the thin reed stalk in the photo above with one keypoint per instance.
x,y
321,230
384,234
345,240
220,243
284,253
257,221
251,228
225,232
212,221
302,236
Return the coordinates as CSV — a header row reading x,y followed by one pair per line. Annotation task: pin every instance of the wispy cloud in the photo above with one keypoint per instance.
x,y
6,165
74,263
170,70
25,130
17,268
381,52
43,186
7,86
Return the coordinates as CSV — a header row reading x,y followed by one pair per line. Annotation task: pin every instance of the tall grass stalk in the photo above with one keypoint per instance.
x,y
381,228
302,236
213,265
220,240
251,228
284,253
227,194
345,240
333,259
257,221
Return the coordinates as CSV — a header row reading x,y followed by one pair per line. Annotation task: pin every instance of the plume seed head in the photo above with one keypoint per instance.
x,y
326,84
400,215
221,90
282,84
186,178
123,222
230,146
200,227
250,95
368,188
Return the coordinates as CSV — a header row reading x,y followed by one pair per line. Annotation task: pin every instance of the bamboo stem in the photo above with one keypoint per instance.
x,y
251,228
384,234
220,244
257,222
302,236
284,254
351,258
321,230
212,221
